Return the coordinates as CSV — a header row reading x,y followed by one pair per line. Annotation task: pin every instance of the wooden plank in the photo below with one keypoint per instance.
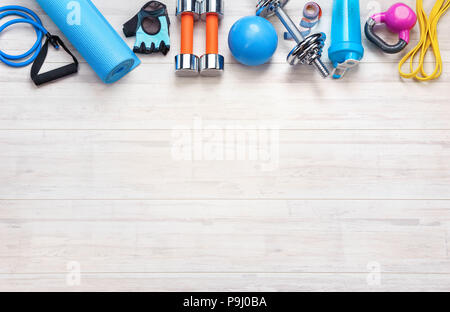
x,y
228,282
225,236
168,165
271,95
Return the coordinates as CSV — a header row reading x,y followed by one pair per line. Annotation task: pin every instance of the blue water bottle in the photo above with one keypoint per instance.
x,y
346,49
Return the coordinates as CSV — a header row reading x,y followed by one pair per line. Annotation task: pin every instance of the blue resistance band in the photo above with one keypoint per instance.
x,y
38,52
29,17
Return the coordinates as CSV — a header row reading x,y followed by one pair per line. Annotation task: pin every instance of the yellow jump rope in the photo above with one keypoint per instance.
x,y
428,38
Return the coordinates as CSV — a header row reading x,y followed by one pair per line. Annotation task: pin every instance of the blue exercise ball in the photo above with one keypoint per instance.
x,y
253,40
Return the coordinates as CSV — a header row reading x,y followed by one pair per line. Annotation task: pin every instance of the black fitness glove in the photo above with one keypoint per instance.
x,y
151,28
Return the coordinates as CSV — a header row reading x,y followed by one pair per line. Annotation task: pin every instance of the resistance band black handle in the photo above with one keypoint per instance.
x,y
383,45
54,74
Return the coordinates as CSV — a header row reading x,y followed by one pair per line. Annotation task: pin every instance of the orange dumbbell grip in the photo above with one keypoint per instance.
x,y
187,33
212,34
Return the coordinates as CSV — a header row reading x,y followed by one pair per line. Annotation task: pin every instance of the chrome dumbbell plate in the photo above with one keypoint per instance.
x,y
212,65
307,51
188,6
211,6
265,8
186,65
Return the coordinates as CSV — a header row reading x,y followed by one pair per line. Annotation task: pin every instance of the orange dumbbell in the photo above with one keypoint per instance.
x,y
212,63
187,63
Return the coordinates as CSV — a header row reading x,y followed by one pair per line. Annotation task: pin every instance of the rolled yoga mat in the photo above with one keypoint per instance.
x,y
92,35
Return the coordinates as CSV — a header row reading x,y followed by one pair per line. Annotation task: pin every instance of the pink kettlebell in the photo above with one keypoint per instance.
x,y
400,19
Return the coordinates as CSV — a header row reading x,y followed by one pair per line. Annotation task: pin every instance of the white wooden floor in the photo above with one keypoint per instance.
x,y
355,194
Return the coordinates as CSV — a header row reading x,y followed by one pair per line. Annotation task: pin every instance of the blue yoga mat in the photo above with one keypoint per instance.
x,y
92,35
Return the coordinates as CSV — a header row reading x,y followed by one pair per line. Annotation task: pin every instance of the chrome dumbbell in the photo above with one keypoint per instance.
x,y
186,63
308,50
212,63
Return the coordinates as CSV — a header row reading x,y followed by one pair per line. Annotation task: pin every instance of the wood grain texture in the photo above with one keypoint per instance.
x,y
357,186
142,282
225,236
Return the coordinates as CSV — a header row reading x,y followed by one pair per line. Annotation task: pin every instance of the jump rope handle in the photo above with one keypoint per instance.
x,y
400,19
